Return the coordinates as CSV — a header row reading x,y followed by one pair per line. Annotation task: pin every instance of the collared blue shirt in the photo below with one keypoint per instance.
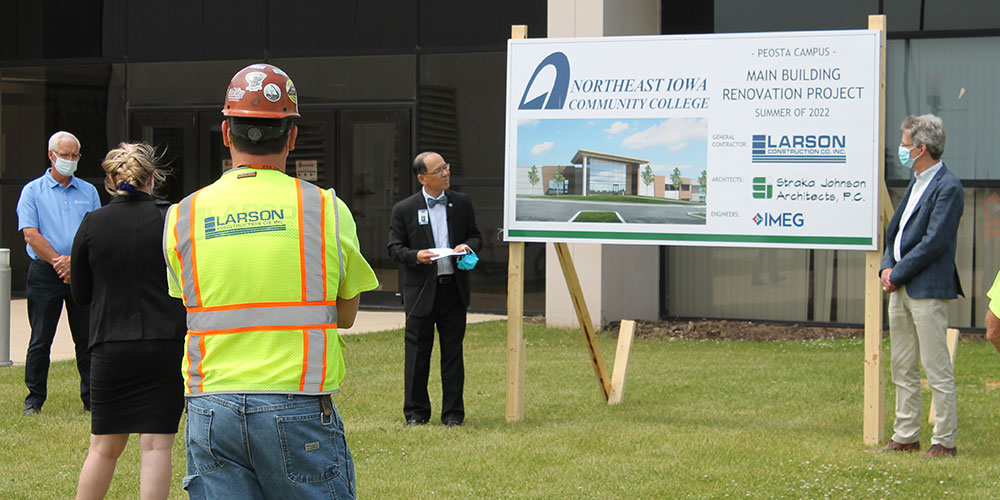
x,y
56,211
439,227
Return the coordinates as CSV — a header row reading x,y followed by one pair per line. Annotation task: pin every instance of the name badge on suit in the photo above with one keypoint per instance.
x,y
423,217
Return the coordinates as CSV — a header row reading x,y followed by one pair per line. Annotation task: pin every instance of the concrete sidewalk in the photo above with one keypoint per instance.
x,y
62,347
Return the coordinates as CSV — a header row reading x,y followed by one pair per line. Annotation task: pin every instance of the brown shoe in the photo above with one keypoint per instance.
x,y
896,446
937,450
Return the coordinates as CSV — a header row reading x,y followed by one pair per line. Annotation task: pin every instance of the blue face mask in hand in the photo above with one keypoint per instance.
x,y
468,261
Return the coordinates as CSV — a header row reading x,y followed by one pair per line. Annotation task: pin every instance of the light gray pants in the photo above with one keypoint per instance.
x,y
918,334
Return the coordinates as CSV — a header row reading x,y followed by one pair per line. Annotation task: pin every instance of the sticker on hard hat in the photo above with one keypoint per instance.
x,y
235,94
279,72
272,92
258,66
254,79
290,90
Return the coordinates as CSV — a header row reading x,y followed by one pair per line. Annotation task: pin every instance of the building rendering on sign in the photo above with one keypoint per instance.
x,y
605,173
378,85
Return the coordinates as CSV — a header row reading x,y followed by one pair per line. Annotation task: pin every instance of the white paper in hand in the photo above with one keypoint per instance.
x,y
440,253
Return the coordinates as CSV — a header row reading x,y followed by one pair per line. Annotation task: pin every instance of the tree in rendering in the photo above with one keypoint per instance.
x,y
559,178
647,176
533,177
675,179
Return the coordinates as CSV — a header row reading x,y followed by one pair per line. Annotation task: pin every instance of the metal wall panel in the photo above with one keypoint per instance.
x,y
738,283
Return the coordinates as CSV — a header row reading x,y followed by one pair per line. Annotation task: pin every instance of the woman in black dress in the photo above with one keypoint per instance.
x,y
136,329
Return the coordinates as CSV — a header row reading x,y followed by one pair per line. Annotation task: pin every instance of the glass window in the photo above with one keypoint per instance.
x,y
604,177
35,102
744,283
956,79
461,115
733,16
958,14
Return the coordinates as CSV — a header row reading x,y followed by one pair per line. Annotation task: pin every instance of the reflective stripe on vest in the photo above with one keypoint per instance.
x,y
184,235
166,231
195,354
313,360
262,316
336,232
311,242
313,315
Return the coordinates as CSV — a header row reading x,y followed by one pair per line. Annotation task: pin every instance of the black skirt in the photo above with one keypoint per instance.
x,y
136,387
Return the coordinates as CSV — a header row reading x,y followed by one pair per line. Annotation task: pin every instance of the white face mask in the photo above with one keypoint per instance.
x,y
65,167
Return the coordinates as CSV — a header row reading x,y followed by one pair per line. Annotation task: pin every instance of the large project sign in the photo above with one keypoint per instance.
x,y
749,140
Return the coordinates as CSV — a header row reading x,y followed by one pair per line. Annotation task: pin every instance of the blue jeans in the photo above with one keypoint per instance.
x,y
256,446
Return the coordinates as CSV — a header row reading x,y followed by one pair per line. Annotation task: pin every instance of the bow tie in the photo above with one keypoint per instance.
x,y
431,202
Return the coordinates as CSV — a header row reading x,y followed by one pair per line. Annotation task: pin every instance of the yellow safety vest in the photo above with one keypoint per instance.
x,y
258,257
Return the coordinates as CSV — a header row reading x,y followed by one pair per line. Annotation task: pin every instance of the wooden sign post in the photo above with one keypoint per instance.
x,y
874,393
516,359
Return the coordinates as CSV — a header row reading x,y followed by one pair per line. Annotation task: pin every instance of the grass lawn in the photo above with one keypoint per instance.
x,y
597,217
701,419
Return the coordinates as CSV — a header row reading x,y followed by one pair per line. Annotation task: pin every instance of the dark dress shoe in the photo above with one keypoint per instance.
x,y
937,450
31,410
452,423
896,446
414,422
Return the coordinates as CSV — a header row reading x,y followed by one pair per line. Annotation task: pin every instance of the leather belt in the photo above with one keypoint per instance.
x,y
446,279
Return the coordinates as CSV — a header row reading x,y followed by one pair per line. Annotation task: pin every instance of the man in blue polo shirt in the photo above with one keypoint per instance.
x,y
49,212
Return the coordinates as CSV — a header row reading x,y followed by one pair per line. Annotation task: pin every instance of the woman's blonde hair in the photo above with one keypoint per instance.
x,y
129,168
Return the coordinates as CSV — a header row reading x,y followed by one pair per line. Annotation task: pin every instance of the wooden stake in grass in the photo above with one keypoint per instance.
x,y
583,315
625,334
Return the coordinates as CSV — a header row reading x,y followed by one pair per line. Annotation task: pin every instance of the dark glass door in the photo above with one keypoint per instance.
x,y
364,154
174,135
373,165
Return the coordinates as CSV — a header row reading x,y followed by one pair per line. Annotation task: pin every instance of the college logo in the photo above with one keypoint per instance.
x,y
783,219
761,189
272,92
799,149
555,97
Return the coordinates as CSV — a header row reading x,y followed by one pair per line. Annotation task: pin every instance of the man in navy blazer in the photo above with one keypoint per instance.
x,y
918,271
435,290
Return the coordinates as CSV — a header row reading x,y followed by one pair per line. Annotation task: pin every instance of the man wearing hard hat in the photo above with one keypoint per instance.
x,y
269,267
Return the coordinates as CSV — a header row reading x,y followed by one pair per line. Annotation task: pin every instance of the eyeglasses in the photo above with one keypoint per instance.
x,y
68,156
441,170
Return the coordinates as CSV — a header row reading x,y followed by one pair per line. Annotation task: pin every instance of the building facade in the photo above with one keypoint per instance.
x,y
381,80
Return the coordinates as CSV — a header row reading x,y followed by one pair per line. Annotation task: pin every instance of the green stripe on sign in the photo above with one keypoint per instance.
x,y
734,238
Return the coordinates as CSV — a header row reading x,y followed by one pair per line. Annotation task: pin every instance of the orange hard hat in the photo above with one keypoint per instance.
x,y
261,91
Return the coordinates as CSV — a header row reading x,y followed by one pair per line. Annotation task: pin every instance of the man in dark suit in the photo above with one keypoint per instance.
x,y
435,290
918,271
